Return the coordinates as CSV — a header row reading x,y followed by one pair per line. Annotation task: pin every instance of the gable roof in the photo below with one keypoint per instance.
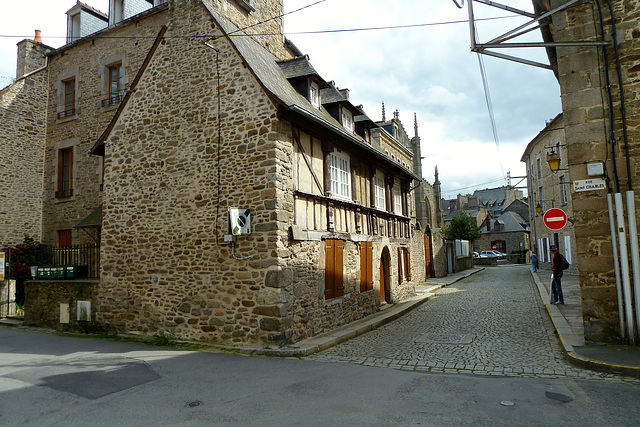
x,y
267,69
509,222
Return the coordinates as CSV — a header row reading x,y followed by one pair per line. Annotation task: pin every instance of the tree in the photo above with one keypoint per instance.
x,y
21,258
463,227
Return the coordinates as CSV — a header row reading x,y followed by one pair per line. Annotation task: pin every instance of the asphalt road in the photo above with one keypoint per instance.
x,y
49,380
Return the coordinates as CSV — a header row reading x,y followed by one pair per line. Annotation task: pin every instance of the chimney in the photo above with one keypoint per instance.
x,y
38,39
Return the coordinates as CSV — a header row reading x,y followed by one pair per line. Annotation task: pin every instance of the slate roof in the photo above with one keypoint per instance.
x,y
332,95
509,222
297,67
268,71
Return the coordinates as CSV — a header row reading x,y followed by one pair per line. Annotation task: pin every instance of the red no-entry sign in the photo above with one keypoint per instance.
x,y
555,219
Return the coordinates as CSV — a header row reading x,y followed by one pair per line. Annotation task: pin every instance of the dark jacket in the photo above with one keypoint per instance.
x,y
557,263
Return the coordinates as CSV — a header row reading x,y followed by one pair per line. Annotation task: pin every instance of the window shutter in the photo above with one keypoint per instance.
x,y
366,266
400,265
334,285
408,265
329,271
370,266
339,283
363,266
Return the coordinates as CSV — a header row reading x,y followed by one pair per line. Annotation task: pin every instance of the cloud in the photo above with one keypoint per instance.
x,y
428,70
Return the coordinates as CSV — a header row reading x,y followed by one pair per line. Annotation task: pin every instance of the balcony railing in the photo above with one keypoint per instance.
x,y
67,113
113,100
64,193
84,258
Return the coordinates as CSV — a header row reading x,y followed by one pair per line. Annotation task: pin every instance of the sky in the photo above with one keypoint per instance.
x,y
426,69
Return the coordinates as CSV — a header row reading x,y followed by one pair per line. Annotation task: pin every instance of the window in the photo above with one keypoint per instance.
x,y
117,12
340,169
69,101
333,281
347,119
115,85
539,168
563,191
366,266
379,191
64,238
313,95
73,32
397,199
65,173
404,265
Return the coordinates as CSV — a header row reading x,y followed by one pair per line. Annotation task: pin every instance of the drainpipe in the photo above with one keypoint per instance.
x,y
624,260
635,253
614,244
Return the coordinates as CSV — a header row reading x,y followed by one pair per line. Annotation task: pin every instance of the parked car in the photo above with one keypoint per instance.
x,y
488,254
500,255
476,254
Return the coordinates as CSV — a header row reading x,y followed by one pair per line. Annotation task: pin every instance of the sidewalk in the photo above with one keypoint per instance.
x,y
567,320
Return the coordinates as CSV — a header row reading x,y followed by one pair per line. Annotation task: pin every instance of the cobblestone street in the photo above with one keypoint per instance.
x,y
491,323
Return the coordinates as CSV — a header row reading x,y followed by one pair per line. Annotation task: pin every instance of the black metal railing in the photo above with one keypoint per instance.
x,y
113,100
67,113
64,193
85,259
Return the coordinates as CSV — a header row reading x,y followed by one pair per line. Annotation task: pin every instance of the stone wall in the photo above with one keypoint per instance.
x,y
582,82
45,299
22,114
86,61
260,23
166,265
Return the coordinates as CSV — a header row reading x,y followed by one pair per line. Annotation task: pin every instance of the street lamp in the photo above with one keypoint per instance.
x,y
553,159
539,206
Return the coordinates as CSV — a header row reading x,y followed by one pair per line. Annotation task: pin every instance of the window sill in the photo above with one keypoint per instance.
x,y
67,119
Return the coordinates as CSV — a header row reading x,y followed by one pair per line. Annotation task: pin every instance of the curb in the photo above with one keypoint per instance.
x,y
568,339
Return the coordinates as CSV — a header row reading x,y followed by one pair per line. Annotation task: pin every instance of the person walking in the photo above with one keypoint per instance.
x,y
556,276
534,261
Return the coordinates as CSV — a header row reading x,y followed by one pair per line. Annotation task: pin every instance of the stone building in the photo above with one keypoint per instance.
x,y
508,233
23,116
548,189
243,198
598,71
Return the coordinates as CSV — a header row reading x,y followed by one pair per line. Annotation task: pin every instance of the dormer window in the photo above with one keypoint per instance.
x,y
314,95
347,119
73,28
117,12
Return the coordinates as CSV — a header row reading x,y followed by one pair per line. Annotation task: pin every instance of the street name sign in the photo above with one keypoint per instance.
x,y
589,184
555,219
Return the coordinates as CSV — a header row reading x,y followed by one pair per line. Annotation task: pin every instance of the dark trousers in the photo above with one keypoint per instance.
x,y
556,287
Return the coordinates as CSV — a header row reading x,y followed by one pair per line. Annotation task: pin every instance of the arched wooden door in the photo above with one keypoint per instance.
x,y
428,254
385,276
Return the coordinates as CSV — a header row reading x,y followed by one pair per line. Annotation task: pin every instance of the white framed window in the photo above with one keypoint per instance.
x,y
539,163
397,199
340,169
563,191
379,190
347,119
73,28
314,96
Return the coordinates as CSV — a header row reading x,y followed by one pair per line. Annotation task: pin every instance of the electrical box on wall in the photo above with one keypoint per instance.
x,y
595,169
239,221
